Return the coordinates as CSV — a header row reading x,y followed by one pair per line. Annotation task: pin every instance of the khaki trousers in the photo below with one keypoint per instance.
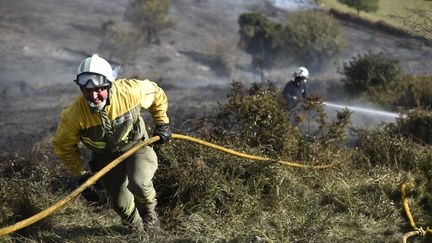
x,y
129,184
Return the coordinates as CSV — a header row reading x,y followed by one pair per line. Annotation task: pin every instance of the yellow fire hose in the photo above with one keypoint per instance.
x,y
33,219
416,231
247,156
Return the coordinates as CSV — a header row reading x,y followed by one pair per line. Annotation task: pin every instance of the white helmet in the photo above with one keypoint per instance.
x,y
91,66
301,72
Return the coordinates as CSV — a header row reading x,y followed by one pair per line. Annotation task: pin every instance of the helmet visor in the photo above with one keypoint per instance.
x,y
93,79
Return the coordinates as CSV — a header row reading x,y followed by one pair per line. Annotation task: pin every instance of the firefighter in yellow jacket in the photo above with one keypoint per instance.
x,y
106,118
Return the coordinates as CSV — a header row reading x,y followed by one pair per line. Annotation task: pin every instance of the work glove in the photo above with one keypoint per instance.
x,y
164,132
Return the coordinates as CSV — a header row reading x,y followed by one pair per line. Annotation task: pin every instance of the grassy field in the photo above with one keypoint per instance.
x,y
389,10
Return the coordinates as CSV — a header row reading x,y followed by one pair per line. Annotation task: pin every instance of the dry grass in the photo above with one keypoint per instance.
x,y
209,196
389,10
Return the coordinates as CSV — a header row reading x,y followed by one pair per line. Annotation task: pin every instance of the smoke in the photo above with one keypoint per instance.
x,y
373,112
361,116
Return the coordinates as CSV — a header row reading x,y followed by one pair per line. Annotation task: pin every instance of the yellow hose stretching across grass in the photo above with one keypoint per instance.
x,y
247,156
33,219
416,231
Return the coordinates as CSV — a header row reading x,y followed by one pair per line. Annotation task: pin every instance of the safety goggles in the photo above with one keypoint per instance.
x,y
96,80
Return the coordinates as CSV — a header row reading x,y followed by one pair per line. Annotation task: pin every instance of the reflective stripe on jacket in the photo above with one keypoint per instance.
x,y
116,129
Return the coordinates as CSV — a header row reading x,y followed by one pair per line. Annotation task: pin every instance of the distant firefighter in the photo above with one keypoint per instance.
x,y
295,89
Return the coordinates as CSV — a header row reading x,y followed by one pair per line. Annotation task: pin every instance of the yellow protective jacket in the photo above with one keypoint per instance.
x,y
116,129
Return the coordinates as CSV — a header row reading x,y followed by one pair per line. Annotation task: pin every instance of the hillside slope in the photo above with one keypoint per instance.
x,y
42,42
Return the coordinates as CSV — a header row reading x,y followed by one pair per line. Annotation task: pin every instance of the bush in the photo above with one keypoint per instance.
x,y
370,70
195,179
362,5
417,92
255,118
387,146
322,141
406,91
312,37
260,38
417,125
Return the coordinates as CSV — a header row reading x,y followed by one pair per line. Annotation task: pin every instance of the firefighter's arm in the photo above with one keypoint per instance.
x,y
158,106
66,145
156,102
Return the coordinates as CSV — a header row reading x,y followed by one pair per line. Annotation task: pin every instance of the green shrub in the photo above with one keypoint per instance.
x,y
405,91
362,5
255,118
370,70
311,37
386,146
417,125
194,179
389,96
260,38
324,142
417,92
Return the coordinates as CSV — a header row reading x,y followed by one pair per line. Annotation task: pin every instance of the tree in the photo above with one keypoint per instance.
x,y
260,38
362,5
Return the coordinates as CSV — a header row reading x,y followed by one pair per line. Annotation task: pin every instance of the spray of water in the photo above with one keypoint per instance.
x,y
363,110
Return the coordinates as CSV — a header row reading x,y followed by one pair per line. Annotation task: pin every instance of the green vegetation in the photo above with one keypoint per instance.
x,y
371,70
417,125
259,37
250,118
362,5
311,37
206,195
379,78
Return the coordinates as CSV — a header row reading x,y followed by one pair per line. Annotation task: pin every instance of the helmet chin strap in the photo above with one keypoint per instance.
x,y
96,107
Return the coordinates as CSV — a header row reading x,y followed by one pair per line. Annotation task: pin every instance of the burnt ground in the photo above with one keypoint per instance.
x,y
42,43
